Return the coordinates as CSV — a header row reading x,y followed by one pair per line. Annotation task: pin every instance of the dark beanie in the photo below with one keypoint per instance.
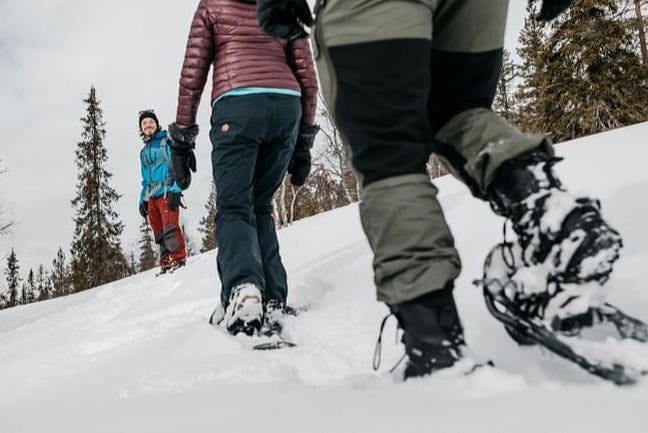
x,y
148,114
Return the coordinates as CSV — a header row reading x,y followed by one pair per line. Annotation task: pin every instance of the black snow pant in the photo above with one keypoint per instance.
x,y
253,137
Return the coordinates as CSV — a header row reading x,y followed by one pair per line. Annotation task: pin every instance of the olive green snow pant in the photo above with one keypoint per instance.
x,y
405,79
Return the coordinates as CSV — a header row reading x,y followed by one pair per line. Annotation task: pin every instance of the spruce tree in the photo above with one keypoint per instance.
x,y
591,78
207,225
132,263
13,278
531,44
190,245
4,300
147,259
504,104
97,257
29,288
60,277
43,284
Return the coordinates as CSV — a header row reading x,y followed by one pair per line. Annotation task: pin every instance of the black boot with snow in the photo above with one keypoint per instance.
x,y
556,229
432,332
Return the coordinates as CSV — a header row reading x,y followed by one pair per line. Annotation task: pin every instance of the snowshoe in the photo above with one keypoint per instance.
x,y
536,309
267,336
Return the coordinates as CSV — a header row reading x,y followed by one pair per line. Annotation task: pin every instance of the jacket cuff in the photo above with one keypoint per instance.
x,y
183,138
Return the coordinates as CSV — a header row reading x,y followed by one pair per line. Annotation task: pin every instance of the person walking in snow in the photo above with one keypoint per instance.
x,y
407,79
161,197
263,101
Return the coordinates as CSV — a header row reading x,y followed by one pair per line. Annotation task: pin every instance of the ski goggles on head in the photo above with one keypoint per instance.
x,y
148,114
147,111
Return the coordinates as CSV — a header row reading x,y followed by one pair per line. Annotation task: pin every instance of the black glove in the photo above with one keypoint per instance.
x,y
300,162
183,141
550,9
174,199
284,18
143,209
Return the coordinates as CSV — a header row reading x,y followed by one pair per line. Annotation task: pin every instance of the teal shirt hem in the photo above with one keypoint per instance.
x,y
242,91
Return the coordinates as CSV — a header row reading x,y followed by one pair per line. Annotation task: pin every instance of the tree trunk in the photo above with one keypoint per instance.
x,y
282,204
642,32
275,213
344,178
291,216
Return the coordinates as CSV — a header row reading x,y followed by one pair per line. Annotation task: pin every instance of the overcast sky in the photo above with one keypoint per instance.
x,y
51,52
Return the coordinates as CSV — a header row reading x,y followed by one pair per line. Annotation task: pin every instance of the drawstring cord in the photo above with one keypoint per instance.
x,y
378,350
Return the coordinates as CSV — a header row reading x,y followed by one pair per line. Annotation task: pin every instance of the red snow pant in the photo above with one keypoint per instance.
x,y
167,232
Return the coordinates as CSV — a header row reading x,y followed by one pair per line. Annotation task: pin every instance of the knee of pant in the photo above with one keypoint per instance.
x,y
228,207
234,213
170,230
158,236
261,209
394,160
172,242
403,148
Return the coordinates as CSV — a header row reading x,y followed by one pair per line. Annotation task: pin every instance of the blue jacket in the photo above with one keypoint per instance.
x,y
157,168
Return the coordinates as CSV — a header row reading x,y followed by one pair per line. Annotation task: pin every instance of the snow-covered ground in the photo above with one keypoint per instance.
x,y
139,356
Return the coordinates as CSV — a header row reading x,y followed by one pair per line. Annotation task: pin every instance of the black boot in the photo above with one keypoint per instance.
x,y
433,335
554,228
